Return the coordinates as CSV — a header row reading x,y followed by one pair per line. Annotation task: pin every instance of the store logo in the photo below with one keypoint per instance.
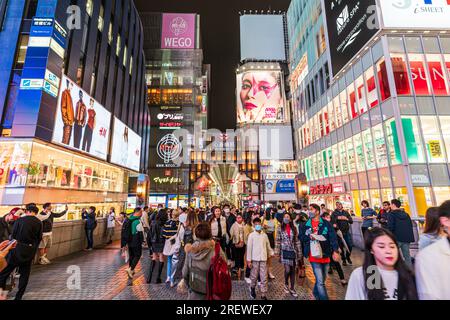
x,y
178,26
343,19
169,148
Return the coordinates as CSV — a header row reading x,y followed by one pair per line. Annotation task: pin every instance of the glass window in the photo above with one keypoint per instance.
x,y
383,81
412,139
110,33
361,95
89,7
402,195
326,121
343,157
335,160
423,200
438,74
22,52
118,45
413,45
392,142
352,101
372,95
441,194
401,74
433,142
381,154
344,107
337,112
396,44
101,22
331,116
360,157
445,44
445,126
351,156
387,194
14,157
419,74
368,148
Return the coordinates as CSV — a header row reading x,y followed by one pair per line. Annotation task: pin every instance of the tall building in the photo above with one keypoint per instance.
x,y
371,112
177,91
74,120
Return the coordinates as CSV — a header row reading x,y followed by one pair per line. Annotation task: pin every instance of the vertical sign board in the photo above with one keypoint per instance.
x,y
350,25
178,31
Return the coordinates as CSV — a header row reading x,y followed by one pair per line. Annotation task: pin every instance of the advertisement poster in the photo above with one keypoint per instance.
x,y
178,31
126,146
81,123
280,186
260,97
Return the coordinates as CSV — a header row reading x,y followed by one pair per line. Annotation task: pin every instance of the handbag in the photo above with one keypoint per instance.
x,y
316,249
289,255
171,245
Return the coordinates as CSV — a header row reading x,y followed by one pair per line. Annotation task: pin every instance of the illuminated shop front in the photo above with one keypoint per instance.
x,y
382,129
35,171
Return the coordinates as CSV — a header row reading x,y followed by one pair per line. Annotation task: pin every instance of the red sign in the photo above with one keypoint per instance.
x,y
327,189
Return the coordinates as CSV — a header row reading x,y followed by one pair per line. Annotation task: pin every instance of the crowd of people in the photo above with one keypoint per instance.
x,y
250,242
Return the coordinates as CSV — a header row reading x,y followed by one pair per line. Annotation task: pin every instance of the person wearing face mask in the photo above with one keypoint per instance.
x,y
288,248
218,225
342,220
384,275
90,224
258,252
433,263
238,244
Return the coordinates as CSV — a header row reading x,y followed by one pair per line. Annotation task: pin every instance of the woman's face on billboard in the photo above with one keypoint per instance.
x,y
260,90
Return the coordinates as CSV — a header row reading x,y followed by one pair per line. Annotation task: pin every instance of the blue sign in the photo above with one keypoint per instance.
x,y
41,27
285,186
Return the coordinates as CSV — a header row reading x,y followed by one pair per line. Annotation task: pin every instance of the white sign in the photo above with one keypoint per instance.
x,y
280,176
41,42
81,123
50,89
31,84
126,146
52,78
420,179
418,14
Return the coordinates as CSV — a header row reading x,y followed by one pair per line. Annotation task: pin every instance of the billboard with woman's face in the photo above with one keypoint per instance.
x,y
260,97
126,146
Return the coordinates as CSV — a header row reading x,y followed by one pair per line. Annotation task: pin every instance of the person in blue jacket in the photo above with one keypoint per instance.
x,y
318,229
91,223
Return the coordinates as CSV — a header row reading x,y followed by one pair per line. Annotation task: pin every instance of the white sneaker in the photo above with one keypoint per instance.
x,y
271,276
130,273
46,260
168,280
41,261
248,280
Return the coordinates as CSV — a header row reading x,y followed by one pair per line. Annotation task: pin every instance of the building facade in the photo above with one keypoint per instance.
x,y
379,128
74,120
177,95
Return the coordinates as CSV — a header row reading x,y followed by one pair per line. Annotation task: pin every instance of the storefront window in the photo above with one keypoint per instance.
x,y
360,158
331,116
419,74
343,157
392,142
445,126
326,121
412,138
337,112
441,194
401,78
423,200
321,165
368,149
433,142
351,156
14,159
356,203
335,155
387,195
372,95
330,162
383,81
344,107
381,154
402,195
352,101
438,74
375,197
364,194
361,95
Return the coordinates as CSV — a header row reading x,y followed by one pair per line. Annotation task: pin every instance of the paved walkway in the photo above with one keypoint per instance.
x,y
103,277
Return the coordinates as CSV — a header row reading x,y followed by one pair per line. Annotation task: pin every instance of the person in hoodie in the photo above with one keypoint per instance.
x,y
47,217
400,224
135,241
197,263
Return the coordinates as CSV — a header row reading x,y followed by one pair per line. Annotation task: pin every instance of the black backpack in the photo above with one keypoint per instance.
x,y
155,231
126,231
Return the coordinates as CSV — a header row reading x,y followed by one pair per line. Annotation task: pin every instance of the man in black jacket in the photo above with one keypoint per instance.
x,y
342,220
47,217
400,224
28,234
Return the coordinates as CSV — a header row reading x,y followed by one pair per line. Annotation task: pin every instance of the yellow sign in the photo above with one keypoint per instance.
x,y
166,180
435,149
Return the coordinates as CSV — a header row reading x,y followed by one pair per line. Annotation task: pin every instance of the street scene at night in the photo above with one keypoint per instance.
x,y
241,150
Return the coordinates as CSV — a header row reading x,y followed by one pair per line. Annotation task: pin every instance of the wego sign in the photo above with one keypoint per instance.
x,y
178,31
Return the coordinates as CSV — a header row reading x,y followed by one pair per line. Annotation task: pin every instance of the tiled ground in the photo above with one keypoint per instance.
x,y
103,277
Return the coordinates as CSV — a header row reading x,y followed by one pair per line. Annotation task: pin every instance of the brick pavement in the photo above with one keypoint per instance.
x,y
103,277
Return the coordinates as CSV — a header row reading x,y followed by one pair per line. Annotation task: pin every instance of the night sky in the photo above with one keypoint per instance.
x,y
220,37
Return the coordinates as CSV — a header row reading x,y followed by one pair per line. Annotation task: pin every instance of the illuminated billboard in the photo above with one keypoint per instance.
x,y
178,31
260,97
126,146
81,123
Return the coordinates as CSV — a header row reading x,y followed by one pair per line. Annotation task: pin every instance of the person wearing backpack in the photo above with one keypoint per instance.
x,y
258,252
91,223
198,263
157,242
134,238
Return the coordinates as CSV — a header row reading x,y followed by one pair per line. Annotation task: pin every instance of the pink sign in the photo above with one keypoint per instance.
x,y
178,31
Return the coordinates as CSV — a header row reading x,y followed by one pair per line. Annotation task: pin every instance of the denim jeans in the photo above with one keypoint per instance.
x,y
404,248
169,266
348,239
320,273
90,238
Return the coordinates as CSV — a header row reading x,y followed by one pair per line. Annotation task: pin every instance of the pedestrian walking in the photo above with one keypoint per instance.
x,y
342,220
27,233
433,263
270,226
7,223
248,229
157,241
319,242
288,248
110,226
135,239
258,251
433,231
238,244
218,225
174,233
89,217
400,224
383,215
384,275
368,215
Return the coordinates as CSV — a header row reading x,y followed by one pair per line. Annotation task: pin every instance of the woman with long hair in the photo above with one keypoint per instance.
x,y
270,225
289,249
157,242
218,225
433,229
384,274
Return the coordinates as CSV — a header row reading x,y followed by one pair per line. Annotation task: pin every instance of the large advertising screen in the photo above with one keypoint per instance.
x,y
126,146
262,37
81,123
416,14
260,97
178,31
351,24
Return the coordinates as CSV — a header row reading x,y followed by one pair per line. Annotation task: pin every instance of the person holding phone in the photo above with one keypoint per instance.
x,y
5,248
